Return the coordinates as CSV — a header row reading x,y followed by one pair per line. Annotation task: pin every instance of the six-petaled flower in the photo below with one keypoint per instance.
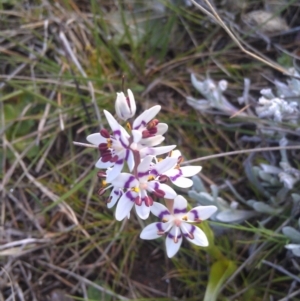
x,y
177,223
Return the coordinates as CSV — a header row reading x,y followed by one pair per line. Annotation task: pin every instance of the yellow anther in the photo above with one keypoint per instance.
x,y
128,126
135,189
184,218
164,220
109,143
151,178
104,183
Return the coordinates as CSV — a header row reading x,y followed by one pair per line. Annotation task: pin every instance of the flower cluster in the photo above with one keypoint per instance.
x,y
148,178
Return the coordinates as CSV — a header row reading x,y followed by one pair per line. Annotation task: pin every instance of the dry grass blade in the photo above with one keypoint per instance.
x,y
215,16
84,280
70,53
244,151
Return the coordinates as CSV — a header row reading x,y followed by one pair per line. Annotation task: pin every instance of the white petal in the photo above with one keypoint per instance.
x,y
96,139
183,182
130,161
137,136
124,135
114,125
145,117
100,164
175,153
162,149
121,106
172,247
131,102
142,211
115,195
152,141
201,213
180,205
161,128
160,211
150,231
144,167
189,171
125,180
124,206
114,172
163,166
169,192
199,239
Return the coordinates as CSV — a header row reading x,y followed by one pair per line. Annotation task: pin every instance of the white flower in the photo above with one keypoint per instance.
x,y
135,189
176,224
150,128
119,147
178,174
125,106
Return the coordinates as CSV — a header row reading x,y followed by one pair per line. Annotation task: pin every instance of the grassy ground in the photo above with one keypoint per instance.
x,y
62,63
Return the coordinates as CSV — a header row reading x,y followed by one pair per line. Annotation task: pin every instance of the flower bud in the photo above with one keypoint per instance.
x,y
125,106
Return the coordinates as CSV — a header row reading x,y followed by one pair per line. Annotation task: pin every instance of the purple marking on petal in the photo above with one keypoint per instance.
x,y
121,161
191,232
143,123
127,183
130,196
159,227
163,213
173,236
142,174
154,172
127,154
123,143
195,213
117,133
117,192
156,185
176,211
175,177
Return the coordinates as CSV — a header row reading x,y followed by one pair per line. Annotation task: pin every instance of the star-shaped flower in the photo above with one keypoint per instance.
x,y
151,129
178,175
136,189
176,224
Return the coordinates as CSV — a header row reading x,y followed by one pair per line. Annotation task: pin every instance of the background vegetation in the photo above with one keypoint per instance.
x,y
62,62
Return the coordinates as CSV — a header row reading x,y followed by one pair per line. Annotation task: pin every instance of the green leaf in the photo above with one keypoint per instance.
x,y
220,271
95,294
